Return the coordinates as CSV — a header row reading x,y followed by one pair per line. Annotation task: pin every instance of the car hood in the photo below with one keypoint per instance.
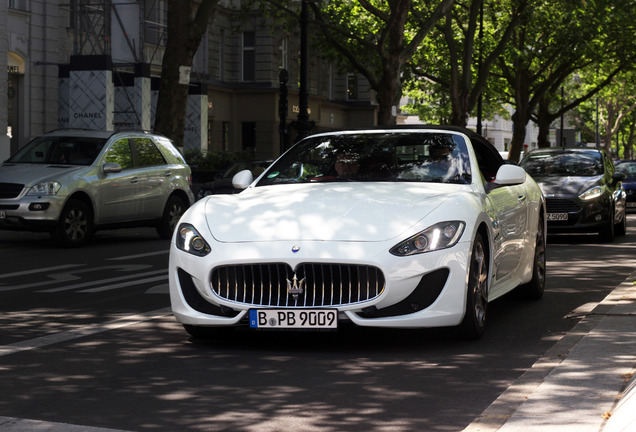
x,y
30,174
334,212
566,186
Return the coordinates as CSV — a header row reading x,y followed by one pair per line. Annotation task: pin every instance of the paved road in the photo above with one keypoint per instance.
x,y
87,339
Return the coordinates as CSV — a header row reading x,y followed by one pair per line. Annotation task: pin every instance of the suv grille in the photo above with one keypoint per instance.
x,y
558,205
322,284
10,190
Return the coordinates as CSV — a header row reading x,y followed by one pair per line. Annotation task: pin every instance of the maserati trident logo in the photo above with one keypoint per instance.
x,y
295,287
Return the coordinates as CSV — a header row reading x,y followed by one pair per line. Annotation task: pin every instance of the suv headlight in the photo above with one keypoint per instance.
x,y
592,193
439,236
189,240
48,188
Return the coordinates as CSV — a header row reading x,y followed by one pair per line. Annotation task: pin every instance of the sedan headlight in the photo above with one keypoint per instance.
x,y
189,240
48,188
439,236
592,193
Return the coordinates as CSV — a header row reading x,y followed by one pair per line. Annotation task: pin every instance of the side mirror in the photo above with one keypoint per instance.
x,y
111,168
617,177
510,175
243,179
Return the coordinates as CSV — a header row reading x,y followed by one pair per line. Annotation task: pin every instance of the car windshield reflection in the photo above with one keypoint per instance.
x,y
574,164
382,156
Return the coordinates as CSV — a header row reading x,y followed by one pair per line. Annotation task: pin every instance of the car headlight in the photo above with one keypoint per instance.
x,y
48,188
592,193
439,236
189,240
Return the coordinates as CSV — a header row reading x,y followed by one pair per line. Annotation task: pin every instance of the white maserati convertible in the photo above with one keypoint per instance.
x,y
399,227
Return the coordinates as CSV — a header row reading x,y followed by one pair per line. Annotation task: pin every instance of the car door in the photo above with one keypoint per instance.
x,y
509,212
118,191
154,174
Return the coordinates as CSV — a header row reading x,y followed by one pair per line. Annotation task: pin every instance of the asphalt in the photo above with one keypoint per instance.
x,y
585,383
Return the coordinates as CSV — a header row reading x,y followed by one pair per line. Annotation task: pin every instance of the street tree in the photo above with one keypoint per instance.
x,y
375,38
558,39
187,23
458,59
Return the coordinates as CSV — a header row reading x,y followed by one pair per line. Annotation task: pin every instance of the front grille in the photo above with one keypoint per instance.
x,y
10,190
560,205
315,284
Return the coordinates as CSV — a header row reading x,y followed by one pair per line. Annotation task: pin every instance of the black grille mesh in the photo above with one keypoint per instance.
x,y
317,284
10,190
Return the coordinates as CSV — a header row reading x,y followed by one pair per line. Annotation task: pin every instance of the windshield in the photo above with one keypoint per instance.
x,y
627,168
386,156
60,150
574,164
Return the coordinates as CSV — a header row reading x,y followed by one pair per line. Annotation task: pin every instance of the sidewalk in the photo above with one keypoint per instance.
x,y
585,383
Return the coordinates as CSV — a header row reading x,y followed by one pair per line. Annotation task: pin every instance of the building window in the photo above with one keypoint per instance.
x,y
22,5
352,87
249,56
248,137
225,136
222,54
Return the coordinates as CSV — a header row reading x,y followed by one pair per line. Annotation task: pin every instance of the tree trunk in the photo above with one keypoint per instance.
x,y
187,22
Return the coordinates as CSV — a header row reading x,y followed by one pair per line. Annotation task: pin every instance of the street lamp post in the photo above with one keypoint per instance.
x,y
303,125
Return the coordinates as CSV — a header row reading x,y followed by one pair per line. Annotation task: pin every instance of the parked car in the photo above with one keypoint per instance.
x,y
583,191
72,182
223,184
628,167
411,228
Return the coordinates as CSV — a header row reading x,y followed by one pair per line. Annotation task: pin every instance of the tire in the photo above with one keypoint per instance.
x,y
75,225
535,288
607,233
620,229
474,322
175,207
199,332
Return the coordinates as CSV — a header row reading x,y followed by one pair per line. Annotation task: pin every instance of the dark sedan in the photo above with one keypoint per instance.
x,y
628,167
583,190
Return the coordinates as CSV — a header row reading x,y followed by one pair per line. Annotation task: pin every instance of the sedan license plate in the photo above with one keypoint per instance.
x,y
294,318
3,214
557,216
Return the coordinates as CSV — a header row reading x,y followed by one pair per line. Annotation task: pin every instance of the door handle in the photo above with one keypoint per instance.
x,y
134,179
522,198
167,174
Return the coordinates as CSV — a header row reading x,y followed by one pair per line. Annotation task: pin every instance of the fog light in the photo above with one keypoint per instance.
x,y
38,206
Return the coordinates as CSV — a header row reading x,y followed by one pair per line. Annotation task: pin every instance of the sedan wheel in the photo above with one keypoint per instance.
x,y
474,322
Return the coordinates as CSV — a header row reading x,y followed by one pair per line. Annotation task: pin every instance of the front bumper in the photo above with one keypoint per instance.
x,y
32,213
582,216
427,290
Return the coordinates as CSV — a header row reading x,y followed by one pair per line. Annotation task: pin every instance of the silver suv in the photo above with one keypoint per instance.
x,y
72,182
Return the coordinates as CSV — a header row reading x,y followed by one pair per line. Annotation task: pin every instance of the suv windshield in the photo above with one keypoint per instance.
x,y
575,164
385,156
60,150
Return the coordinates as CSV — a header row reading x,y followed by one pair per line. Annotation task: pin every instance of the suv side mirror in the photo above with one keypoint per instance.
x,y
111,168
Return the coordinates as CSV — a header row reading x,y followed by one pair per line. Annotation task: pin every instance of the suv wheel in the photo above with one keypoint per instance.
x,y
175,207
75,225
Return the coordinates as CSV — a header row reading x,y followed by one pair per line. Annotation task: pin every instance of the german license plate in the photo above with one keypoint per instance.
x,y
3,214
557,216
294,318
